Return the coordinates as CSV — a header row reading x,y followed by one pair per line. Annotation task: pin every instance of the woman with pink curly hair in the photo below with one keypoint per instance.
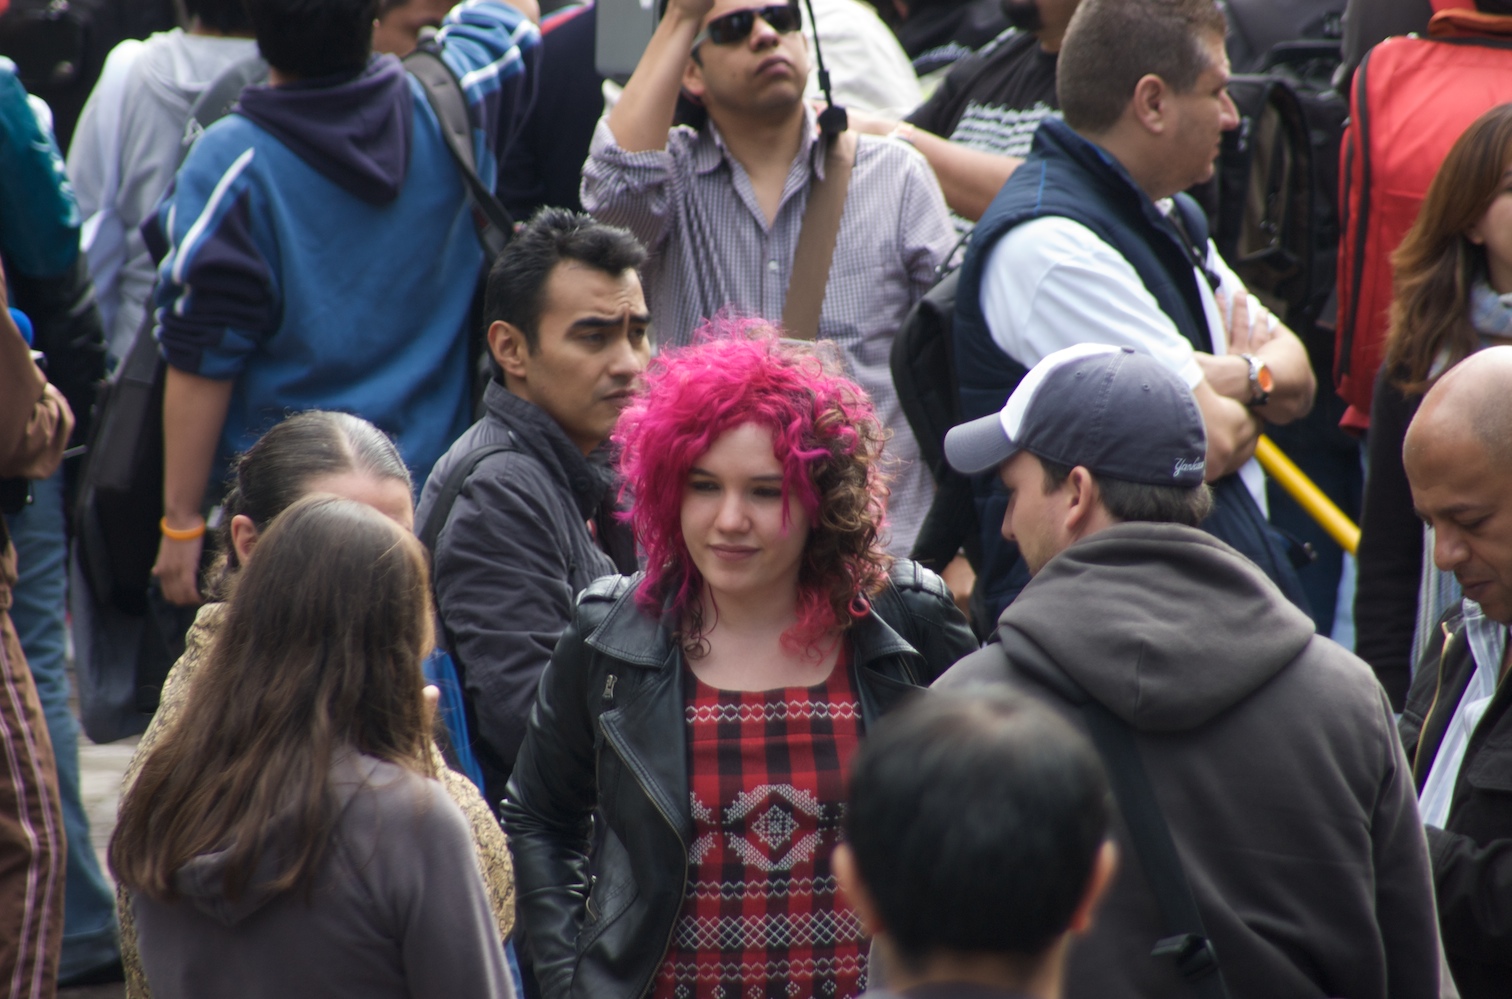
x,y
705,711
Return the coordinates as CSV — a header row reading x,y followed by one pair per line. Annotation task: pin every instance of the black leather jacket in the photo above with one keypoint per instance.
x,y
1472,855
607,737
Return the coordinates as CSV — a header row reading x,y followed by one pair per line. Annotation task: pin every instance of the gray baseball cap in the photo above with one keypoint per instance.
x,y
1111,409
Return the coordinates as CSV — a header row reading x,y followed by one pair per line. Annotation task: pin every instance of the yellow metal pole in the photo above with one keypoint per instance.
x,y
1312,499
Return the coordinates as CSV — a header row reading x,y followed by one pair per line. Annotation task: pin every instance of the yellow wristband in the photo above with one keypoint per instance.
x,y
175,535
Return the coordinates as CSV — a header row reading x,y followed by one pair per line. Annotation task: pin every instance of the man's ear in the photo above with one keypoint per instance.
x,y
507,344
1083,498
1150,104
693,81
843,863
1103,869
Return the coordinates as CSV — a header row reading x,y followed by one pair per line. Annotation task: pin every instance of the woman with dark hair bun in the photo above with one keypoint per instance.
x,y
698,718
315,452
1453,296
287,835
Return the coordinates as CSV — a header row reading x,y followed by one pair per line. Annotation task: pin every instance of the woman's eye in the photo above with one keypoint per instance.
x,y
768,492
703,486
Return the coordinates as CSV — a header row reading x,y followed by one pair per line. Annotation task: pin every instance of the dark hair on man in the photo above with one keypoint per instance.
x,y
311,39
517,283
1137,501
975,819
1111,44
226,16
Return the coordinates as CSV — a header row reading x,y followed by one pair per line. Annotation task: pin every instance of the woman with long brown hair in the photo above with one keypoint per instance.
x,y
1453,296
287,836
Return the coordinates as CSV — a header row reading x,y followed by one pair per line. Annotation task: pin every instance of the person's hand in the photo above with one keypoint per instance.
x,y
1228,374
864,122
430,698
177,570
1248,329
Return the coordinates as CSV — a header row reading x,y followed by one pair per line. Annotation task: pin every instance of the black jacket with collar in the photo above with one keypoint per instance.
x,y
510,560
608,738
1472,854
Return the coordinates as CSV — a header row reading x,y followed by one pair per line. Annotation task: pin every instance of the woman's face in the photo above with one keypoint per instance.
x,y
733,518
388,496
1494,232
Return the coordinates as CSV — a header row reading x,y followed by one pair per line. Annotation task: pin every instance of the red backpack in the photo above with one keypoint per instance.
x,y
1412,98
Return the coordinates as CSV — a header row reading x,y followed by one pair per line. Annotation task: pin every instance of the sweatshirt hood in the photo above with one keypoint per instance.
x,y
202,881
1164,625
356,131
177,67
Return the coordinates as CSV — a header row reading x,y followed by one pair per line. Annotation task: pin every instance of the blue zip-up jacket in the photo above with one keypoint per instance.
x,y
320,246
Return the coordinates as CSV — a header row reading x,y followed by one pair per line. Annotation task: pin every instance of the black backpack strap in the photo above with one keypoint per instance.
x,y
435,520
1186,940
444,92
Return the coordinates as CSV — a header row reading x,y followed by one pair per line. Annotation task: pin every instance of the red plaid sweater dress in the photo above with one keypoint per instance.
x,y
762,917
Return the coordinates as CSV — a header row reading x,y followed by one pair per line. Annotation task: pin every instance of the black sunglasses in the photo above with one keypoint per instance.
x,y
736,26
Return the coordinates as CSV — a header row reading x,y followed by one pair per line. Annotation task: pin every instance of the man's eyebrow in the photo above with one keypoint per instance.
x,y
606,322
1453,510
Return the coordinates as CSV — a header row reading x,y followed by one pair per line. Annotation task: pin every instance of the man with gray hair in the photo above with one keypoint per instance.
x,y
1091,240
1269,751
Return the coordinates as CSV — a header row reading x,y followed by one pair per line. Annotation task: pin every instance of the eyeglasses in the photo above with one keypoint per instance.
x,y
736,26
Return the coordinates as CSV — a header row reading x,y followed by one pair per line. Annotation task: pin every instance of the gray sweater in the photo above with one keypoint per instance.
x,y
397,910
1271,751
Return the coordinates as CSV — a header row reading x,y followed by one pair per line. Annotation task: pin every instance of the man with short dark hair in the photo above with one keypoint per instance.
x,y
319,248
1085,243
720,209
1271,751
533,521
976,845
1456,726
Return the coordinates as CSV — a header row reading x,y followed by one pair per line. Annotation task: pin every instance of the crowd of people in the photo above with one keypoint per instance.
x,y
544,619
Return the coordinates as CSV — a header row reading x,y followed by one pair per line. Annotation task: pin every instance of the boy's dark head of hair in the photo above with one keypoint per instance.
x,y
229,17
314,39
975,823
516,289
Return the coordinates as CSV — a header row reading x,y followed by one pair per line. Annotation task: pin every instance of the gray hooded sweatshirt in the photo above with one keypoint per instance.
x,y
397,909
1272,753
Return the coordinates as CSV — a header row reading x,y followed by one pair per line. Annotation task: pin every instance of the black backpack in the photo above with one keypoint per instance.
x,y
1275,212
924,376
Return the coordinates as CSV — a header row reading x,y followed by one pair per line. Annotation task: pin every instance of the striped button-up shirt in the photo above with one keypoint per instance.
x,y
711,248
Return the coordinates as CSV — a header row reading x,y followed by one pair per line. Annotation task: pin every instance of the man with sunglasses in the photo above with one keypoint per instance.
x,y
720,208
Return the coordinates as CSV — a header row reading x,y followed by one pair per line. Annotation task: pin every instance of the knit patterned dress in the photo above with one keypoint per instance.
x,y
762,917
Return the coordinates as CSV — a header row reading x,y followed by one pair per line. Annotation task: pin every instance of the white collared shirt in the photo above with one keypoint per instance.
x,y
1488,644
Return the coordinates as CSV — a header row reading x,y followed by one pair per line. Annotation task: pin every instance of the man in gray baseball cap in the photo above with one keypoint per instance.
x,y
1271,751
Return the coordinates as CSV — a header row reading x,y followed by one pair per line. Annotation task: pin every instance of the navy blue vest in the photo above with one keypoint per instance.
x,y
1067,176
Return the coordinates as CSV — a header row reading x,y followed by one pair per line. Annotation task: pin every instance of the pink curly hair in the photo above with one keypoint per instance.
x,y
825,435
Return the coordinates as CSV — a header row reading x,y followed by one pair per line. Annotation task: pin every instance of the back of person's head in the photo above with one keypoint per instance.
x,y
1111,44
1438,261
516,288
314,39
275,472
975,821
226,16
1125,417
319,653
